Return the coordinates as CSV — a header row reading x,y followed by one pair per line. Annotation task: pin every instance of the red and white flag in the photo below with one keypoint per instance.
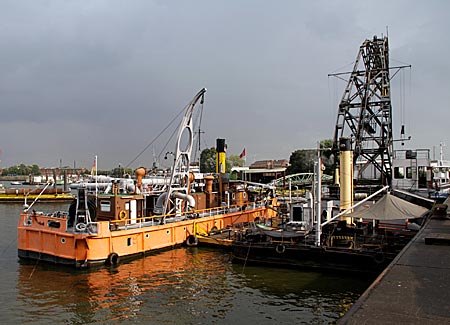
x,y
242,155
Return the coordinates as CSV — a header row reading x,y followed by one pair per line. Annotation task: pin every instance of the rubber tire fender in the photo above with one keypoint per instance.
x,y
112,260
378,257
192,240
280,248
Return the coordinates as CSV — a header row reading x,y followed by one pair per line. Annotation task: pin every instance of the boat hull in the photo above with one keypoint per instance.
x,y
47,238
311,257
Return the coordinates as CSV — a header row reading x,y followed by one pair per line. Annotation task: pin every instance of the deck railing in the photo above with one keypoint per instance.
x,y
195,214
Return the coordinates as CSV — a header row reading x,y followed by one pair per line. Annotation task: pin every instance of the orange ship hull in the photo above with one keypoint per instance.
x,y
47,238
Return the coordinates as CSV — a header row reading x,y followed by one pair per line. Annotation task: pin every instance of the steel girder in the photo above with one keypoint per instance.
x,y
365,110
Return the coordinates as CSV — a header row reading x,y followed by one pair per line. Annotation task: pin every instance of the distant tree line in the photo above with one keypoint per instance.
x,y
25,170
21,169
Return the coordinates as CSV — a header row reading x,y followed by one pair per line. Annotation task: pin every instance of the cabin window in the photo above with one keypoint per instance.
x,y
422,171
105,206
399,172
129,241
63,240
408,172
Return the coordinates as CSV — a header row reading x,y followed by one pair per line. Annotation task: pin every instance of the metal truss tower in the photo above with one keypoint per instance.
x,y
365,111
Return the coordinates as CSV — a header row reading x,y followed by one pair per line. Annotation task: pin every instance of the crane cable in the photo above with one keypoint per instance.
x,y
156,138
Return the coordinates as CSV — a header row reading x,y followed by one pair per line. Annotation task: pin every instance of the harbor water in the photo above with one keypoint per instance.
x,y
177,286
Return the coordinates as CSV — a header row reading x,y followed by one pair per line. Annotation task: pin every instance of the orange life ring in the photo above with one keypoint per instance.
x,y
123,215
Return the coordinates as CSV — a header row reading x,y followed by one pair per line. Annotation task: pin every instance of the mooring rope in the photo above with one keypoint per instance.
x,y
246,258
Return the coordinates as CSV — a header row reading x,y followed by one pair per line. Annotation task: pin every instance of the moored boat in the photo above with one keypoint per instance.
x,y
24,194
366,246
121,228
125,222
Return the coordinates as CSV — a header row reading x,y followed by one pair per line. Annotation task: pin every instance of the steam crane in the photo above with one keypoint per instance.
x,y
365,111
179,180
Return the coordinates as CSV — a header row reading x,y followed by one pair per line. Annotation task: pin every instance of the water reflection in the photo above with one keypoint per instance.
x,y
180,286
319,297
179,281
183,286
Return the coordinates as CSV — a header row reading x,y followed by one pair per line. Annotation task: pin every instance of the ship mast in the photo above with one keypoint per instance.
x,y
179,179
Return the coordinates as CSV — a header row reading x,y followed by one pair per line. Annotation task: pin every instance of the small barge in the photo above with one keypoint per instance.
x,y
31,194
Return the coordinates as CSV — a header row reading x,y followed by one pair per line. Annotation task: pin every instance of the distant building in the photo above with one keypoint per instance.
x,y
57,175
262,171
270,164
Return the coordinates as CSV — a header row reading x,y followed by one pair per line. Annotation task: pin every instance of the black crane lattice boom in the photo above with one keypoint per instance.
x,y
365,110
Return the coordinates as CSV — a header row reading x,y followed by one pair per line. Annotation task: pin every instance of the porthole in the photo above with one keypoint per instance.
x,y
63,240
167,231
147,235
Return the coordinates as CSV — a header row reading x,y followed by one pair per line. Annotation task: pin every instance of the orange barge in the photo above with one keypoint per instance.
x,y
118,230
126,221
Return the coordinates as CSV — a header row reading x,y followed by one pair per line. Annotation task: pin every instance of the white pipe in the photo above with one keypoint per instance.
x,y
318,196
290,191
186,197
26,208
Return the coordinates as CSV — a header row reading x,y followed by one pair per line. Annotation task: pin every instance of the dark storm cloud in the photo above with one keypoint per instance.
x,y
79,78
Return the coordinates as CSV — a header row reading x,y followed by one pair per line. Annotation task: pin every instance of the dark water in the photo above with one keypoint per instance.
x,y
180,286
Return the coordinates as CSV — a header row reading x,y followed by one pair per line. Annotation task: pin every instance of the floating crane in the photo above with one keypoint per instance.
x,y
365,110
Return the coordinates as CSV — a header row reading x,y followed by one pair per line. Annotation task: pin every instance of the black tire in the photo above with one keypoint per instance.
x,y
379,258
280,249
192,241
112,260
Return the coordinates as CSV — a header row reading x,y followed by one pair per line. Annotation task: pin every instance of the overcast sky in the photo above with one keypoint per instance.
x,y
86,78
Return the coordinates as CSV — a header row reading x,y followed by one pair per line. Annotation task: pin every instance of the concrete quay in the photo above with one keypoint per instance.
x,y
415,288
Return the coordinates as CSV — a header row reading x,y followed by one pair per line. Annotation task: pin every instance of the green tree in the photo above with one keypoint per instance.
x,y
234,161
302,160
35,170
208,160
120,172
21,169
327,155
